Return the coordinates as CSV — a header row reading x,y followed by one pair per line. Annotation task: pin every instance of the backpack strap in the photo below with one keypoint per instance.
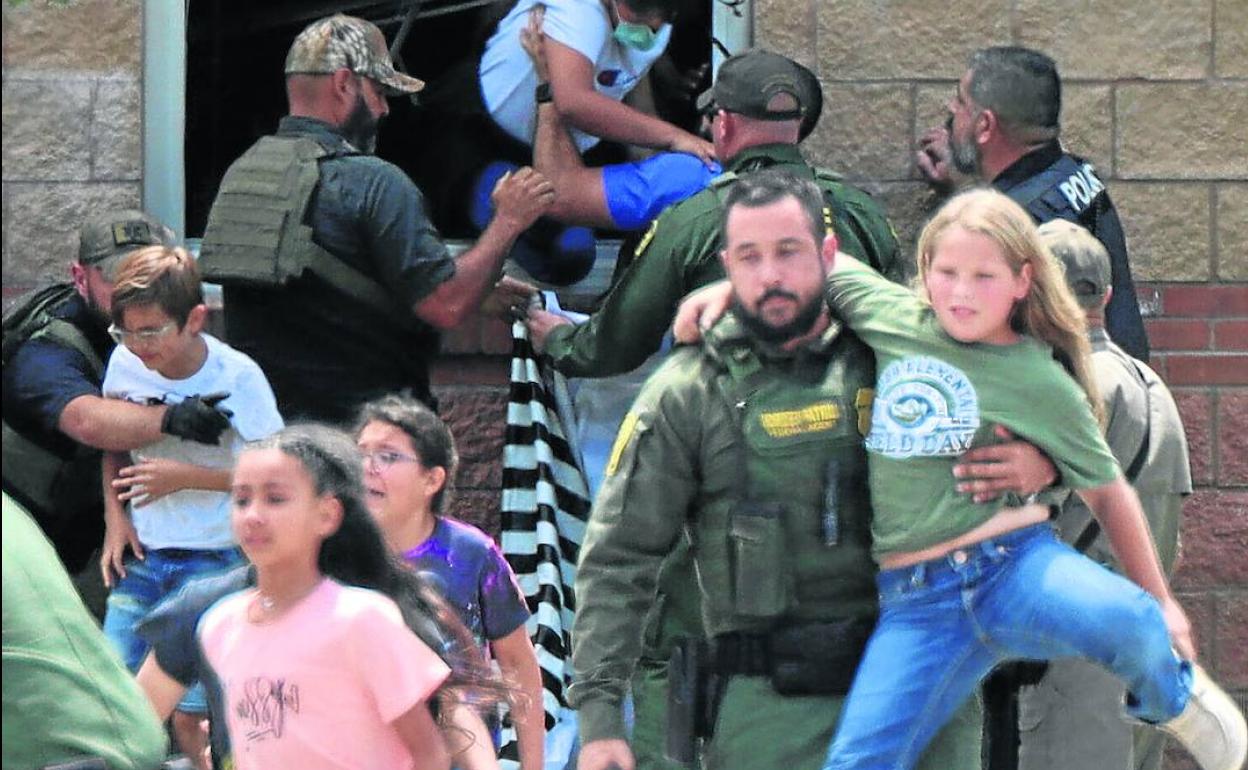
x,y
1090,532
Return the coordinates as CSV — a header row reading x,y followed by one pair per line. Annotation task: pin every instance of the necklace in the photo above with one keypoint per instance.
x,y
265,607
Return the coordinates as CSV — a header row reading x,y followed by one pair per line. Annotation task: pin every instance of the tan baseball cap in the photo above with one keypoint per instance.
x,y
1083,257
346,42
110,235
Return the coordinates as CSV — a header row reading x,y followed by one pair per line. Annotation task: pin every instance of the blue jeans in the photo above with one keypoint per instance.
x,y
945,623
146,584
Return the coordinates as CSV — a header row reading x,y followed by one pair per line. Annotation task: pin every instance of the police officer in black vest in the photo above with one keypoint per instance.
x,y
1003,127
56,421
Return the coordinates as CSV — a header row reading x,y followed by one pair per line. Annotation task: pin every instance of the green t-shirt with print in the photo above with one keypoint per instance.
x,y
936,397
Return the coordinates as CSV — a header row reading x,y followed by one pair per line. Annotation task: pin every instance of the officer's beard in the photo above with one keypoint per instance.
x,y
778,335
360,127
96,310
966,156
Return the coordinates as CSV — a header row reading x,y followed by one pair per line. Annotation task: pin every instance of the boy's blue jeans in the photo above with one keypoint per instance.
x,y
146,584
945,623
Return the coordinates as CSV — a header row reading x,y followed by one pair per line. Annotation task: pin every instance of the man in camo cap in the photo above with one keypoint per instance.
x,y
335,281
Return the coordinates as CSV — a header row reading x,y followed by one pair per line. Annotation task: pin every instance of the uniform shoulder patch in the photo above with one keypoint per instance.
x,y
647,238
627,427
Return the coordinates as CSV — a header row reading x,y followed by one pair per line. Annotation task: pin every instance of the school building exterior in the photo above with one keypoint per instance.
x,y
1156,96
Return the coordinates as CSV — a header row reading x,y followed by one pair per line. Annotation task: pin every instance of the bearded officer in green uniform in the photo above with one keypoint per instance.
x,y
1071,717
749,448
755,109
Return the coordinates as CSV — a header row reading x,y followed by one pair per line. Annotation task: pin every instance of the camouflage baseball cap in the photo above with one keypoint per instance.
x,y
1083,257
108,236
346,42
758,84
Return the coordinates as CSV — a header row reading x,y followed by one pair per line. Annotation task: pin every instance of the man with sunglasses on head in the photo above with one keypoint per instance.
x,y
56,421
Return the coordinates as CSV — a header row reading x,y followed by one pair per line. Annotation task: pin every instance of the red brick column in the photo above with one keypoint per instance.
x,y
1199,345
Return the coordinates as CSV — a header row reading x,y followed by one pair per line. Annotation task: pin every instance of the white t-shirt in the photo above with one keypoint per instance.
x,y
195,518
508,79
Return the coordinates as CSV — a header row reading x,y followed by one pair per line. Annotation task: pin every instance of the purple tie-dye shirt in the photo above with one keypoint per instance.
x,y
474,578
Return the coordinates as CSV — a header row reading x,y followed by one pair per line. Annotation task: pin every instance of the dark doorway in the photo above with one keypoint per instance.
x,y
236,50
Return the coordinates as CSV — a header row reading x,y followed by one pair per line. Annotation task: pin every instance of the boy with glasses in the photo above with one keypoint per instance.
x,y
177,525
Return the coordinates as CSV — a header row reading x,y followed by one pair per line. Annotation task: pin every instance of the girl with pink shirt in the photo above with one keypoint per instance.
x,y
336,658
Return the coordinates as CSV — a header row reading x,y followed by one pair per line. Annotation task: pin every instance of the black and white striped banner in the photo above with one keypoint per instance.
x,y
545,506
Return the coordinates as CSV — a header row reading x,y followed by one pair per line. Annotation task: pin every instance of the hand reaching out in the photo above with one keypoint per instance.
x,y
533,41
521,197
694,145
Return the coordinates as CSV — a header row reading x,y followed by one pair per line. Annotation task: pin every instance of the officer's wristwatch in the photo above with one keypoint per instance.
x,y
543,94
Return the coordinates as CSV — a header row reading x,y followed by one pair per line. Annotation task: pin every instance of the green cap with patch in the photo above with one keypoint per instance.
x,y
758,84
107,237
1083,257
347,42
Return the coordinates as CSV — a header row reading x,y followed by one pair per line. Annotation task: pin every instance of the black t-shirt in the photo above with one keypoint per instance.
x,y
170,630
40,380
324,352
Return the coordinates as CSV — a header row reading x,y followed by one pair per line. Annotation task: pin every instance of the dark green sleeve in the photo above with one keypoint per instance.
x,y
863,230
637,518
630,324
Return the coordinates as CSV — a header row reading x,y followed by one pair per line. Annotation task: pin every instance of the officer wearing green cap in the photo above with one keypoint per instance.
x,y
56,421
749,449
756,109
1070,718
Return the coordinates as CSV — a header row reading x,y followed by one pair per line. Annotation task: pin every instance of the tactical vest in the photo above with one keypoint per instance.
x,y
257,233
37,476
1068,187
792,544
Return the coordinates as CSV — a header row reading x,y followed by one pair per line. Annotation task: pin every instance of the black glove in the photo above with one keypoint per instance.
x,y
198,418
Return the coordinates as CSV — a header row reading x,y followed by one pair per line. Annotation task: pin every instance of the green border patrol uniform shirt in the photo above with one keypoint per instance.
x,y
66,694
712,427
680,253
936,397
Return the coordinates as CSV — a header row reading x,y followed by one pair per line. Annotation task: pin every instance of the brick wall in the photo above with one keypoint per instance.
x,y
72,128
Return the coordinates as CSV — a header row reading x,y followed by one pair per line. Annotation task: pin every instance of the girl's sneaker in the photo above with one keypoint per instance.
x,y
1211,726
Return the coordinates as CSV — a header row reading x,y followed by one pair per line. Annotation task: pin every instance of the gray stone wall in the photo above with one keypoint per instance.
x,y
72,127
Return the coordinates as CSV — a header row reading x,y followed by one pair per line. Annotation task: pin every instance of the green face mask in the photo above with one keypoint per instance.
x,y
637,36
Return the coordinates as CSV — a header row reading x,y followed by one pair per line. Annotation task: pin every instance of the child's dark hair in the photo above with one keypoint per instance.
x,y
165,276
356,555
430,437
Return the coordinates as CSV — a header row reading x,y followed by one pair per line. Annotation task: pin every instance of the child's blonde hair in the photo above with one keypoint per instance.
x,y
1049,312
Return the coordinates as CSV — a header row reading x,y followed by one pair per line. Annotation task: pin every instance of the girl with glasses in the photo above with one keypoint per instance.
x,y
410,461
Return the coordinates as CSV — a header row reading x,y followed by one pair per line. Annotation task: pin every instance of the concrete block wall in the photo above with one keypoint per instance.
x,y
73,117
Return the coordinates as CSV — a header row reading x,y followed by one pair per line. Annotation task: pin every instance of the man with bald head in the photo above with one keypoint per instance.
x,y
335,281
